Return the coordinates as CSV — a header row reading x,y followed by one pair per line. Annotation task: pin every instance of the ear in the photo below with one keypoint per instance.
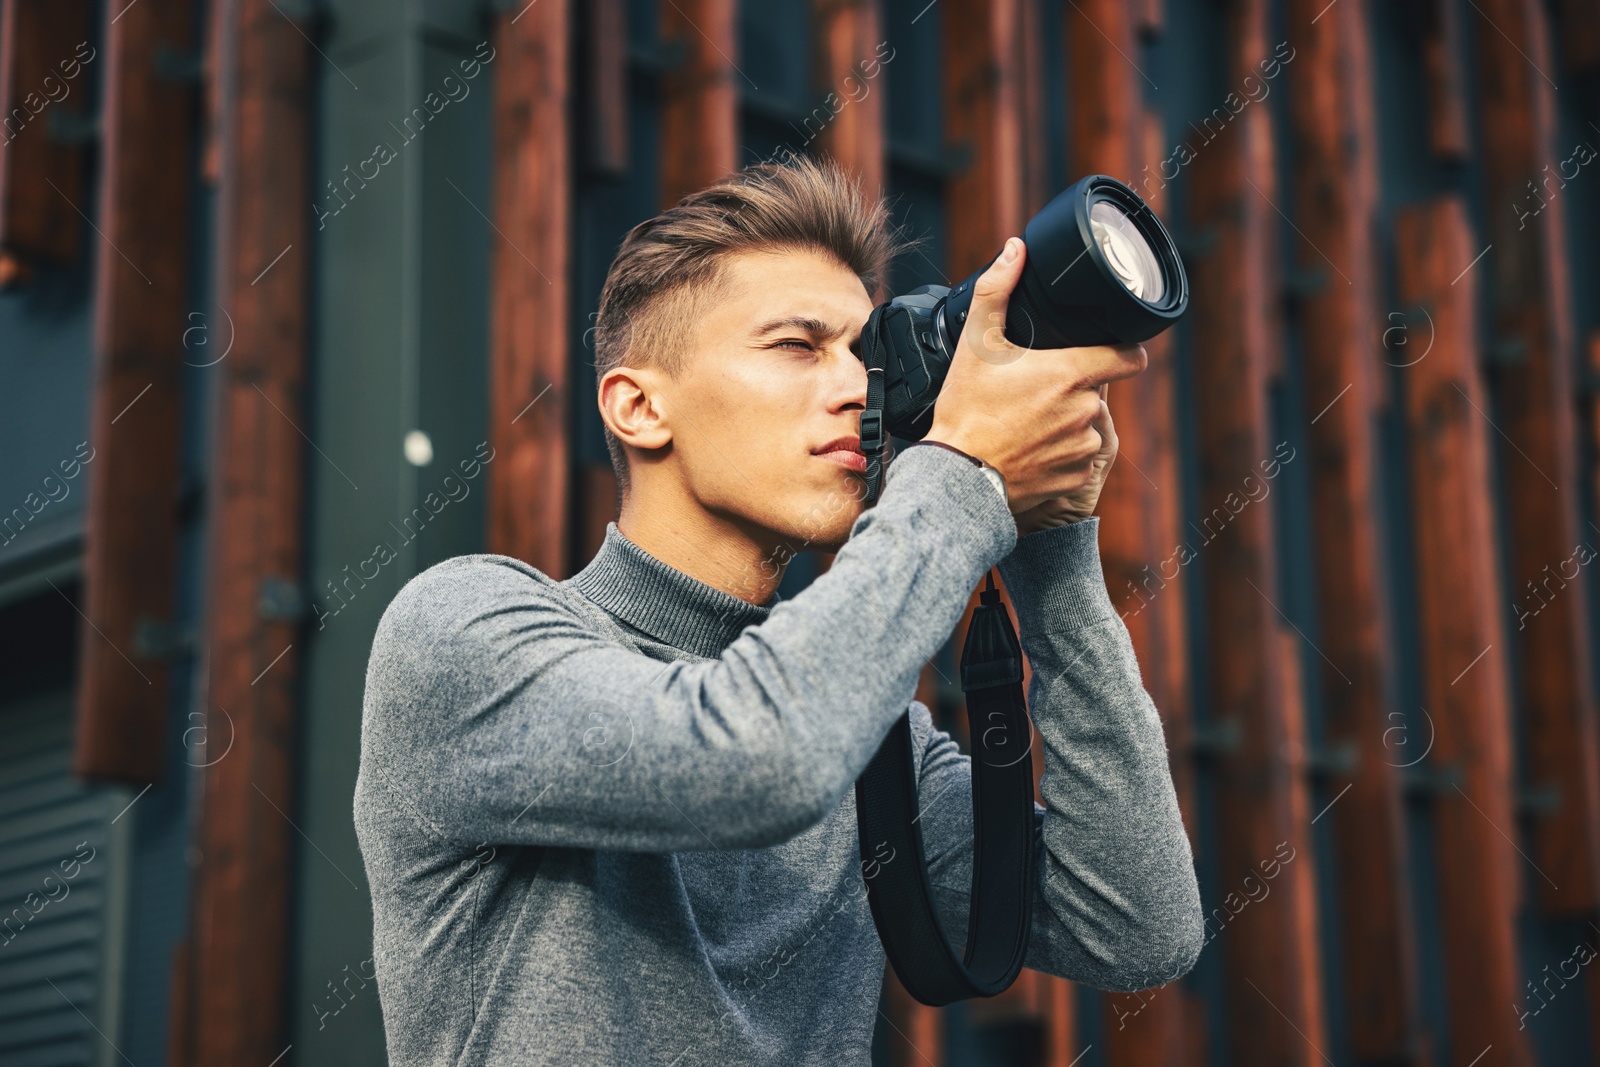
x,y
632,407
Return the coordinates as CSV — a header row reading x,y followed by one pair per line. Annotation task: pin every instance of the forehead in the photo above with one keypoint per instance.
x,y
759,286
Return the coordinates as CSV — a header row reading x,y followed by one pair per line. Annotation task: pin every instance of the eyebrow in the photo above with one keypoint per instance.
x,y
805,324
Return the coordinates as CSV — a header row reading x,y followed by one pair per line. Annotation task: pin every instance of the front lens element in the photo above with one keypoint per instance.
x,y
1127,252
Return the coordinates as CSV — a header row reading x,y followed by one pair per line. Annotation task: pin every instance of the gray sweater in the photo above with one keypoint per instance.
x,y
611,819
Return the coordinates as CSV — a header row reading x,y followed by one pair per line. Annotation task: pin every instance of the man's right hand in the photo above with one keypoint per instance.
x,y
1030,413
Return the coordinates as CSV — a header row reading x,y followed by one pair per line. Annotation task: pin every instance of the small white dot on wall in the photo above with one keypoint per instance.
x,y
418,449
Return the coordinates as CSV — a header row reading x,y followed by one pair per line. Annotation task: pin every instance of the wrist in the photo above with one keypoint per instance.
x,y
991,472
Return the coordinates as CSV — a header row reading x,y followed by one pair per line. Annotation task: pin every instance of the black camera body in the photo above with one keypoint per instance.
x,y
1101,269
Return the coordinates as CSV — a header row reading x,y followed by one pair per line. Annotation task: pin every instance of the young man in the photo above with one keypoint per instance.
x,y
611,819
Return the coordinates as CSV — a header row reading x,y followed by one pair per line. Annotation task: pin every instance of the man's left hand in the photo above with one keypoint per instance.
x,y
1080,503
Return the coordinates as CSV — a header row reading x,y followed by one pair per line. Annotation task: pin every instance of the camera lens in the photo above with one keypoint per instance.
x,y
1127,253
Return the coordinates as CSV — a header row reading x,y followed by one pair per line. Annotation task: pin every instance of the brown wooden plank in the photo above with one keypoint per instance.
x,y
1333,148
241,934
699,95
1108,136
1464,655
1149,1027
1236,336
1444,70
44,50
983,122
1299,875
605,86
141,272
849,63
530,263
1149,18
983,101
1579,33
1170,678
1535,410
1037,136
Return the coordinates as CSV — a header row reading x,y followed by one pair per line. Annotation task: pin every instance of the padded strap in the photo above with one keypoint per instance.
x,y
1003,859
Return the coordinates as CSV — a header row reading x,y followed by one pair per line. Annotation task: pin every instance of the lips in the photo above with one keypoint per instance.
x,y
846,452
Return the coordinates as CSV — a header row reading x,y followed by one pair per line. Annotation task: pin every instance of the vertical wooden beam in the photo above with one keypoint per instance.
x,y
1270,1005
1444,69
1333,145
1579,34
1535,408
1150,1028
983,102
1300,876
1108,134
1171,678
1036,132
848,35
1464,653
241,927
530,263
43,51
983,122
699,95
141,271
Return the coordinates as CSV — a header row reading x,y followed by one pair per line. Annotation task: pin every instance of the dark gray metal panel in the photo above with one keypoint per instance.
x,y
399,345
64,860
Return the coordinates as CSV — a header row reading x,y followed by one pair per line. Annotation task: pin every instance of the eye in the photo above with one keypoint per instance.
x,y
806,345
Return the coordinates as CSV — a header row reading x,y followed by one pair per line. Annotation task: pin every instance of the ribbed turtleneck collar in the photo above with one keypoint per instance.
x,y
662,601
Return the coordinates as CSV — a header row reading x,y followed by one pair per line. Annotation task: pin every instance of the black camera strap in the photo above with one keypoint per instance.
x,y
1003,829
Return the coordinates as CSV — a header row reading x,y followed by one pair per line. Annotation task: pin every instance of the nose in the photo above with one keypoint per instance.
x,y
847,382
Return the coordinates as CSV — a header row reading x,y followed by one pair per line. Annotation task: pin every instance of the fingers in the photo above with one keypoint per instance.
x,y
992,291
1102,364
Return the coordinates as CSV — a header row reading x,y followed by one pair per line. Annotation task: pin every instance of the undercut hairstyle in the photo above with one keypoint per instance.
x,y
668,268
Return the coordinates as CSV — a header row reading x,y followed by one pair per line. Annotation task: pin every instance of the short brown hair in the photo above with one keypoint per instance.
x,y
667,265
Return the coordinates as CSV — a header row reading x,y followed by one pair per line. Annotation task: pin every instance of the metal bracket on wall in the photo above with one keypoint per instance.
x,y
175,66
1332,761
281,600
157,640
1538,800
72,127
1216,738
1505,352
1431,781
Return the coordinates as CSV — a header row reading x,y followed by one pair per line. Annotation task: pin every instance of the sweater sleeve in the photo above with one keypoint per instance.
x,y
1117,905
495,713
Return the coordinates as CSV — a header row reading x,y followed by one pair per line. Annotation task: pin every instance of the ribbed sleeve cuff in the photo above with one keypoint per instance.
x,y
1054,578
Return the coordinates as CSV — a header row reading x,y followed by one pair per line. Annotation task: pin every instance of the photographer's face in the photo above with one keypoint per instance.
x,y
772,379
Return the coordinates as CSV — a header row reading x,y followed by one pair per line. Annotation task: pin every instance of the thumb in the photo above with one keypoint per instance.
x,y
991,293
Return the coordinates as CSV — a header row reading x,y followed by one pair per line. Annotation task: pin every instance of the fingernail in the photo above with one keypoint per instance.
x,y
1010,251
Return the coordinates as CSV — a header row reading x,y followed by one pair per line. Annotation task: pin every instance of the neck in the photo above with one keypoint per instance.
x,y
724,552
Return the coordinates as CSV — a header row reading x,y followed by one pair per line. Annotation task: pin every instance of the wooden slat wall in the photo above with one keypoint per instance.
x,y
1443,66
699,95
983,96
530,271
1536,409
1108,134
40,45
141,272
1580,34
1270,1003
1329,100
1464,669
847,35
240,936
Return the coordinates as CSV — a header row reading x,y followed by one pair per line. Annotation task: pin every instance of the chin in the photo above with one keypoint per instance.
x,y
827,523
